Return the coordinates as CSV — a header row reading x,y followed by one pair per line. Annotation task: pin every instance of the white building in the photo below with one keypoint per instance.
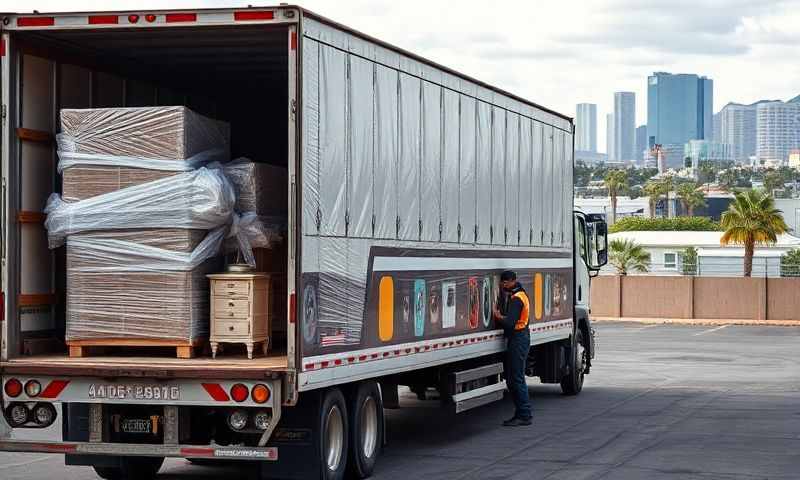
x,y
586,127
777,131
666,253
626,207
738,129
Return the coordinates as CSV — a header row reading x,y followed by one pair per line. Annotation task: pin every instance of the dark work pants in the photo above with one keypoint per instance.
x,y
519,343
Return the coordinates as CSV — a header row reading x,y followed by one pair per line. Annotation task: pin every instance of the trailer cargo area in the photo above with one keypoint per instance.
x,y
237,74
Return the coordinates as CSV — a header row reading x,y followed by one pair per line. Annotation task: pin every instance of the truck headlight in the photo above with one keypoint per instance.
x,y
237,419
17,414
44,414
262,419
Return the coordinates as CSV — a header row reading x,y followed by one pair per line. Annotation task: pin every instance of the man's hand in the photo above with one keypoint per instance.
x,y
496,313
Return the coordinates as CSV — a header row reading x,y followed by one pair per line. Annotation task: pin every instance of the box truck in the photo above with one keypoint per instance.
x,y
410,187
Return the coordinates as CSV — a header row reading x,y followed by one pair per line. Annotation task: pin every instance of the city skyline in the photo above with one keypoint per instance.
x,y
588,52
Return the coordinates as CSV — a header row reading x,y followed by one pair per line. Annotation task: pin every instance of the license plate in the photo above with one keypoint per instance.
x,y
136,425
134,392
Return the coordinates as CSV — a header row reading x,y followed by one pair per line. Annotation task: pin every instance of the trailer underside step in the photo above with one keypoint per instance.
x,y
479,396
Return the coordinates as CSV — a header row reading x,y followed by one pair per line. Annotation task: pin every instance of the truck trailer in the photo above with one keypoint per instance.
x,y
410,188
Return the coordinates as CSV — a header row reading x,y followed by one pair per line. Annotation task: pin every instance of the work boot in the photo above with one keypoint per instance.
x,y
509,421
517,422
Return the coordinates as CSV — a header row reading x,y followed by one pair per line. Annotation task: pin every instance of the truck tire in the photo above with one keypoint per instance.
x,y
334,437
366,429
132,468
572,383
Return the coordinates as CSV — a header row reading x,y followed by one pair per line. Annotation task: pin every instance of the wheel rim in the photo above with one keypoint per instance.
x,y
334,438
369,426
580,360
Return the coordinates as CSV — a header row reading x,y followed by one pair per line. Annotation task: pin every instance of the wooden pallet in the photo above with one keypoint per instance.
x,y
86,348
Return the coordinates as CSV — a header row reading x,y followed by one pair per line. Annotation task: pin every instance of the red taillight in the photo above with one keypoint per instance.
x,y
216,392
293,42
2,54
292,308
248,15
103,19
13,388
239,392
36,21
133,18
150,18
181,17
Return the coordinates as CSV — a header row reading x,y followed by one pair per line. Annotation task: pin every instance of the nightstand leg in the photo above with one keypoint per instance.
x,y
213,349
250,351
265,347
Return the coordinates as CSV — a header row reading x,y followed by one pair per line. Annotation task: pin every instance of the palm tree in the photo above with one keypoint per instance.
x,y
666,187
752,219
616,182
653,191
691,198
626,256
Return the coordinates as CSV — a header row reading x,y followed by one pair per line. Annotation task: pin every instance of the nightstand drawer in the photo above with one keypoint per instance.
x,y
231,307
231,288
227,328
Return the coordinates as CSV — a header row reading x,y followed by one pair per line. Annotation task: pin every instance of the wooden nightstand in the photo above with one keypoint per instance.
x,y
240,310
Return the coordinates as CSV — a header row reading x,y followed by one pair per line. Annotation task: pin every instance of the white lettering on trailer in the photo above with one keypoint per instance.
x,y
134,392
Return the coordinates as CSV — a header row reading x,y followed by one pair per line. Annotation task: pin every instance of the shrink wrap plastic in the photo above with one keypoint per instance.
x,y
152,209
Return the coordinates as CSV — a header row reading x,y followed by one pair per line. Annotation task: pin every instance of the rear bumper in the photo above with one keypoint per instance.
x,y
141,450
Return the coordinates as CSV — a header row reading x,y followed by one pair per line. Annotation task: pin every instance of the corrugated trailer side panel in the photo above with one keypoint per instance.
x,y
431,199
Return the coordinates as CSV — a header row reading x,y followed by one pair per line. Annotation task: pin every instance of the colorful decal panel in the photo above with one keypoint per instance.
x,y
404,301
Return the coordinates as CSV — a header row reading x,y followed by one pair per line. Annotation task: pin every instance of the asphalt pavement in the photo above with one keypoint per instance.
x,y
661,402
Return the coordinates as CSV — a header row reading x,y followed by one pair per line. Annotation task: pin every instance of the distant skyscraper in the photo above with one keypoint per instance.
x,y
586,127
679,108
641,142
624,125
716,121
612,157
738,129
777,130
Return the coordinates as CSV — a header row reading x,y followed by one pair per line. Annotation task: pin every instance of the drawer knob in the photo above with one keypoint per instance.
x,y
231,285
230,328
231,304
230,314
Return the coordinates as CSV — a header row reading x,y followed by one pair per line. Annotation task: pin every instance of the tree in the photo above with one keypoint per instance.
x,y
691,198
772,181
689,262
790,263
583,174
616,182
661,224
752,219
627,256
653,191
706,173
728,179
667,185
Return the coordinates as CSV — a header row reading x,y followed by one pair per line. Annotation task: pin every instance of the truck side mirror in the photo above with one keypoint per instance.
x,y
597,233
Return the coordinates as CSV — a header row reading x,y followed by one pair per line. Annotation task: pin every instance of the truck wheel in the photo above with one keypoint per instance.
x,y
572,383
333,435
132,468
366,432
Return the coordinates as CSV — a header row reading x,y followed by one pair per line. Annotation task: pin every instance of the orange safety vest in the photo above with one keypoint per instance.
x,y
524,314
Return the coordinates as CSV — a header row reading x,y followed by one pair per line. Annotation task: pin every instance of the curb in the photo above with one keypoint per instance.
x,y
700,321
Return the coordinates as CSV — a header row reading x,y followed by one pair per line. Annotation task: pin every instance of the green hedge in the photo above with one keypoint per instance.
x,y
699,224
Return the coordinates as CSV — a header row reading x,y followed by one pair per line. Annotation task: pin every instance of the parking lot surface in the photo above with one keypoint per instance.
x,y
661,402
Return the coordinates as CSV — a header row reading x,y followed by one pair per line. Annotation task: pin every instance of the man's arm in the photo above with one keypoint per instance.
x,y
510,319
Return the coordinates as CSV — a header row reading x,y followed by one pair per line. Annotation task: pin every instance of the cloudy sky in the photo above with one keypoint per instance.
x,y
559,53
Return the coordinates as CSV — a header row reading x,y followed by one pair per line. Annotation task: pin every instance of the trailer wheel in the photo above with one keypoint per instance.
x,y
132,468
366,429
572,383
333,435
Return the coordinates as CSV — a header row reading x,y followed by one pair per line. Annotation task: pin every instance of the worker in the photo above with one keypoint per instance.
x,y
512,313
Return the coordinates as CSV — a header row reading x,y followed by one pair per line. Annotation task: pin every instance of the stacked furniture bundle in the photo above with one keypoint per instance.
x,y
107,150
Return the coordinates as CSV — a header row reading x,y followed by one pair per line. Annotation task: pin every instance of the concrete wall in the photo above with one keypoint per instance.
x,y
696,297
